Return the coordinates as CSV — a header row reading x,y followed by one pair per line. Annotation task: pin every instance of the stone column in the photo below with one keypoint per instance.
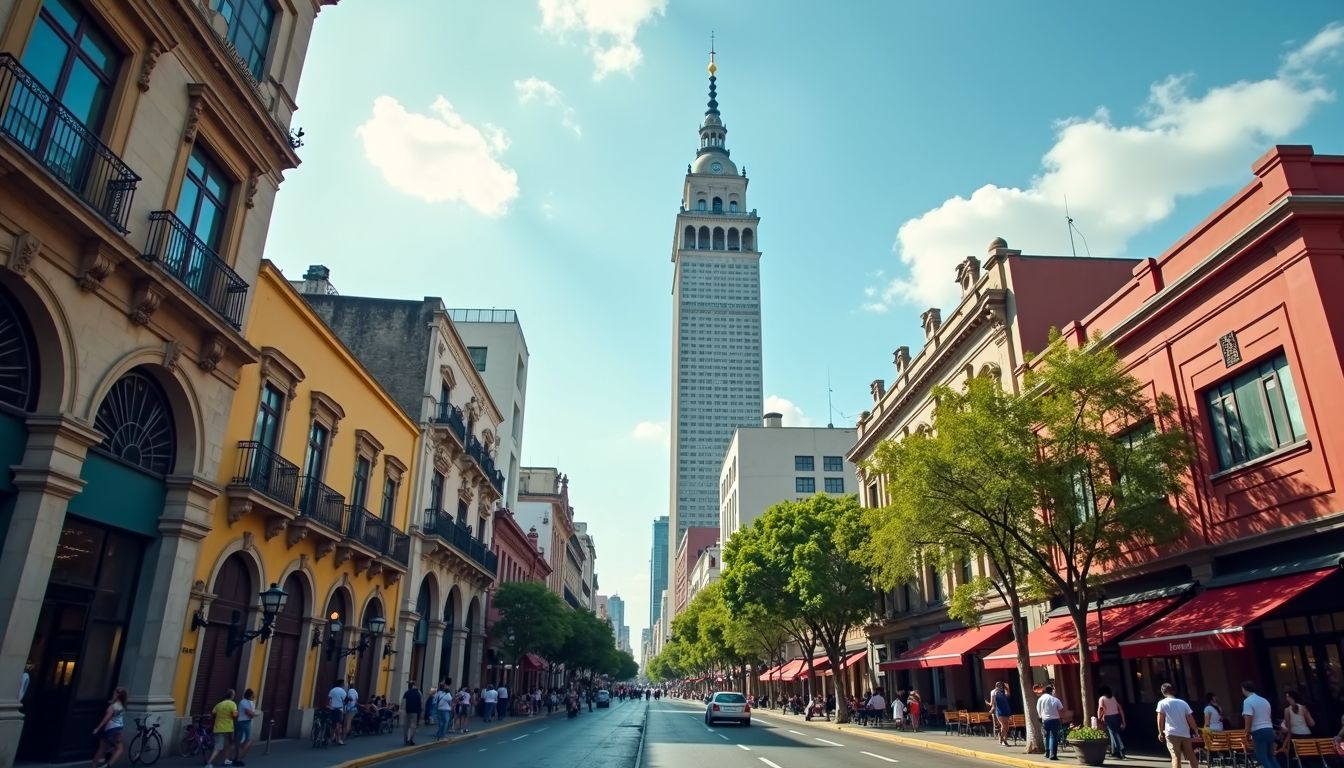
x,y
458,672
159,620
474,663
433,652
401,660
46,481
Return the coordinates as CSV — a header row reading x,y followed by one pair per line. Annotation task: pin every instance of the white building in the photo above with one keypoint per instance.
x,y
716,323
494,337
543,504
706,569
772,463
588,583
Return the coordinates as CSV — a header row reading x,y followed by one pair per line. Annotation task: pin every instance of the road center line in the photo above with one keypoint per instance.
x,y
520,738
744,747
828,741
880,757
539,730
721,736
767,762
800,733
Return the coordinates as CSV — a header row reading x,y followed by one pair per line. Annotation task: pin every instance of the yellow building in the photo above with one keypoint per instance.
x,y
316,498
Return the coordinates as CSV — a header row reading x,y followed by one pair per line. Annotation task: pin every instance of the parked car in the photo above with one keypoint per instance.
x,y
728,705
603,698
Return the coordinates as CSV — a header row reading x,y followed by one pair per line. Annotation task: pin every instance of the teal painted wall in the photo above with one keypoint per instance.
x,y
116,495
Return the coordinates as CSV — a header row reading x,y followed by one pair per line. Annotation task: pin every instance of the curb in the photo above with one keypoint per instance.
x,y
393,754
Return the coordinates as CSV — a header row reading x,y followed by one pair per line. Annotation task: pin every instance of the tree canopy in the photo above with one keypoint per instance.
x,y
532,619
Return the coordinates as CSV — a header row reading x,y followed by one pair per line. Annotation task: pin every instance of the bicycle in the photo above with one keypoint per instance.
x,y
321,728
147,745
197,739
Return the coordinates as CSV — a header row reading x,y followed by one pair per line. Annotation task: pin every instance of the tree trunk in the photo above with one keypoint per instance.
x,y
1035,733
1084,663
841,689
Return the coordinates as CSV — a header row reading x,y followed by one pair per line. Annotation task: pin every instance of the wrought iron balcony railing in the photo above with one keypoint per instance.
x,y
366,528
440,523
451,415
399,547
321,504
43,128
267,472
179,252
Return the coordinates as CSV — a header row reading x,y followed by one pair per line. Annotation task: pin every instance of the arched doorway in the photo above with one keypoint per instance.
x,y
330,665
282,663
219,670
446,651
420,641
366,665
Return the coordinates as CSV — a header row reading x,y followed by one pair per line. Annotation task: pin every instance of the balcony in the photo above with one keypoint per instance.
x,y
449,416
457,541
486,464
32,118
265,482
179,252
321,515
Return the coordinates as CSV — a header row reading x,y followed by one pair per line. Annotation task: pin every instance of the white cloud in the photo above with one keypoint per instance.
x,y
793,415
652,432
1119,179
610,27
439,157
535,90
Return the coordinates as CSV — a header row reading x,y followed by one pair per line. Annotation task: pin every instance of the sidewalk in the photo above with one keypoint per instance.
x,y
978,747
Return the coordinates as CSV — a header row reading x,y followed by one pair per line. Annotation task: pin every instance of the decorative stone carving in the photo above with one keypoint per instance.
x,y
322,550
275,526
464,493
391,578
152,54
252,192
95,265
145,301
878,388
195,104
295,535
212,351
901,359
24,253
172,354
932,320
375,568
968,274
342,555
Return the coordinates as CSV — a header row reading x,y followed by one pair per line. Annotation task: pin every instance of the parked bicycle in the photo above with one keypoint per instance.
x,y
147,745
197,739
322,722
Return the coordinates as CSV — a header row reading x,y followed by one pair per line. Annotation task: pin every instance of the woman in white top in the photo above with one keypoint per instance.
x,y
247,709
1213,714
1297,718
109,730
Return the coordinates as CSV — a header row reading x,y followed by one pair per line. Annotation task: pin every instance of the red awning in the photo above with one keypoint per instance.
x,y
1056,643
534,661
854,658
1217,619
820,664
789,672
766,676
949,649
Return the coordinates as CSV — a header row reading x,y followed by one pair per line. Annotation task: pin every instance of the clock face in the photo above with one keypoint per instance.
x,y
716,167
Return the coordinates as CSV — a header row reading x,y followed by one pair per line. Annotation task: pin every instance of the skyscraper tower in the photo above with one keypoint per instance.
x,y
716,323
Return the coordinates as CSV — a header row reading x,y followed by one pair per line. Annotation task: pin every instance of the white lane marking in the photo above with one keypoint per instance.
x,y
539,730
828,741
800,733
482,749
767,762
880,757
744,747
721,736
520,738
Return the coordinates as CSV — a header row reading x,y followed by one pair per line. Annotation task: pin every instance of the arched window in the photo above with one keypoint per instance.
x,y
718,205
732,206
700,205
18,357
718,239
748,240
703,243
733,243
138,423
688,238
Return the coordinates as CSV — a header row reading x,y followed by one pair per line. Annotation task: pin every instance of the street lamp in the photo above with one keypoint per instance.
x,y
372,629
272,603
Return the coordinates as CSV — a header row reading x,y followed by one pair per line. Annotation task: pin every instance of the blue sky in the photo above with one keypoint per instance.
x,y
529,155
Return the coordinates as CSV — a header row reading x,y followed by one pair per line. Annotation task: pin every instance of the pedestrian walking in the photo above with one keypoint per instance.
x,y
463,709
351,707
898,712
914,710
336,711
443,710
490,699
1213,714
110,746
1050,709
1176,726
1255,713
1112,715
225,712
411,703
502,696
1001,705
242,731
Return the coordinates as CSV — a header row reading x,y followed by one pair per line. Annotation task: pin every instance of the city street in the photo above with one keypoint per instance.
x,y
678,738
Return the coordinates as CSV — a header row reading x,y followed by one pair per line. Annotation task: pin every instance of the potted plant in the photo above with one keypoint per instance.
x,y
1089,744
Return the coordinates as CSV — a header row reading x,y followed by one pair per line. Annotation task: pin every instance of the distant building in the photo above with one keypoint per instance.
x,y
705,571
658,569
616,610
772,463
588,582
693,542
543,504
601,609
494,338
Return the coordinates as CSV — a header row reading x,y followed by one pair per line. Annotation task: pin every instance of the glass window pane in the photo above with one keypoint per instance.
x,y
100,55
83,94
1221,440
1251,411
98,663
209,224
1290,400
45,55
77,554
63,13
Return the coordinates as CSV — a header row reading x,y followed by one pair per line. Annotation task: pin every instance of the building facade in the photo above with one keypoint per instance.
x,y
705,571
658,568
494,338
132,222
588,581
693,542
1007,306
519,557
543,503
716,323
772,463
616,611
412,347
317,500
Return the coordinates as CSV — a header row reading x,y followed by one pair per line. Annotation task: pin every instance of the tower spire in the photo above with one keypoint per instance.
x,y
713,89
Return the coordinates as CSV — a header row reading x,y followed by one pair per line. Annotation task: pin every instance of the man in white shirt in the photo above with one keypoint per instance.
x,y
877,705
503,695
491,697
351,706
336,707
1259,723
1050,710
1176,726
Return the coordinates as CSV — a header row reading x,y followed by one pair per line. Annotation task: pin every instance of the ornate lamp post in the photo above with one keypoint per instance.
x,y
372,629
272,603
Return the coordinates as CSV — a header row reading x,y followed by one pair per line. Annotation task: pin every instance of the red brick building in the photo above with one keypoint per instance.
x,y
692,542
520,559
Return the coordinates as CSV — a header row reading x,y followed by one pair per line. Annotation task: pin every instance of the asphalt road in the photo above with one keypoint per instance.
x,y
678,738
602,738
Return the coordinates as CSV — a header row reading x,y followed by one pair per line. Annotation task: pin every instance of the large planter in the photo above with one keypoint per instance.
x,y
1091,751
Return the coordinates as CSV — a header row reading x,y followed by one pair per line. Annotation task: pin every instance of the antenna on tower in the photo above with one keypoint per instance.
x,y
1068,219
830,409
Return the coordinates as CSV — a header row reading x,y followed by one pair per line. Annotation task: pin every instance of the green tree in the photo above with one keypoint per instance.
x,y
758,636
587,645
800,562
532,619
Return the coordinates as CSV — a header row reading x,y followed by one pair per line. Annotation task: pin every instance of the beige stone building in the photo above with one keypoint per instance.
x,y
1006,309
141,147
